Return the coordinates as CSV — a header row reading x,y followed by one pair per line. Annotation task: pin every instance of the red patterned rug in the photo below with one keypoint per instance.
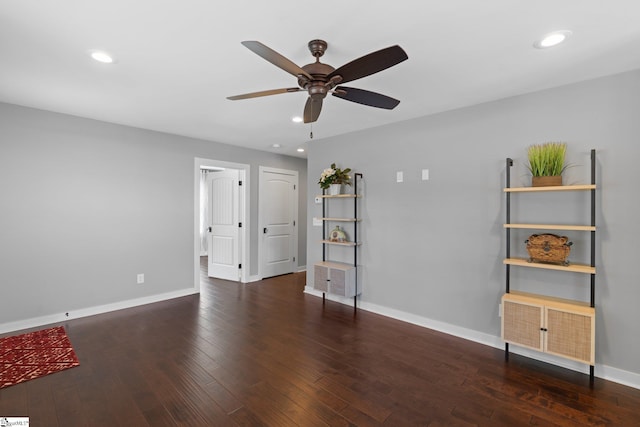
x,y
35,354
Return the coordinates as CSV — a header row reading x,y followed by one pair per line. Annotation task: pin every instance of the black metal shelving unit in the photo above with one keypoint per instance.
x,y
592,190
356,178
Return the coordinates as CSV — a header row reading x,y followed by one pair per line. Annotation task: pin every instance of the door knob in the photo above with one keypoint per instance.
x,y
264,231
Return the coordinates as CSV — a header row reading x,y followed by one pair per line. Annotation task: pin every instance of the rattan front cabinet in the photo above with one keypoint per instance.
x,y
552,325
336,278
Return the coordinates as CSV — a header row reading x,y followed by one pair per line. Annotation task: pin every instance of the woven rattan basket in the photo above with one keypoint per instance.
x,y
548,248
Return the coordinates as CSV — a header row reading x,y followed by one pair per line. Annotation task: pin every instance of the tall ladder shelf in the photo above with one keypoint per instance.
x,y
339,278
561,327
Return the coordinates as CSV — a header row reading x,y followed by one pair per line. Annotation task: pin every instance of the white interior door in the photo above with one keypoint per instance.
x,y
224,227
278,217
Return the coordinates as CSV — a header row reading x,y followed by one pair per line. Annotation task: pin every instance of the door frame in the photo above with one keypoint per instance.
x,y
244,215
261,170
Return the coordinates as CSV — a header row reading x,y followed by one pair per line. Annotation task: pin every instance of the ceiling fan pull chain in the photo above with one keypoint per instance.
x,y
311,124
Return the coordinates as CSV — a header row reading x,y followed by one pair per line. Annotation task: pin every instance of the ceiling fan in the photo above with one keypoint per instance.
x,y
319,79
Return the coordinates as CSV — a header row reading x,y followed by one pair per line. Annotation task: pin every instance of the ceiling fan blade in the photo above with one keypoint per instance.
x,y
276,59
312,110
370,64
366,97
264,93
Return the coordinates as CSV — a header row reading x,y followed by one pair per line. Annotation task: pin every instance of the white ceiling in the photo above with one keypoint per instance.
x,y
177,61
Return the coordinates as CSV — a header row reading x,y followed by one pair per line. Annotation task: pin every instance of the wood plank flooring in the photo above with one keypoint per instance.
x,y
265,354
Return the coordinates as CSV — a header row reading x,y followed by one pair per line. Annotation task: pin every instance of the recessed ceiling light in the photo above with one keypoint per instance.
x,y
296,119
552,39
276,145
102,56
300,150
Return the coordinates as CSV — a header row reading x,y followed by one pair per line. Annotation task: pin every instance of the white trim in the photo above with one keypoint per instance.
x,y
245,177
302,268
92,311
609,373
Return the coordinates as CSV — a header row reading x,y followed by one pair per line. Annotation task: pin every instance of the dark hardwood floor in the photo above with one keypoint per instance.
x,y
265,354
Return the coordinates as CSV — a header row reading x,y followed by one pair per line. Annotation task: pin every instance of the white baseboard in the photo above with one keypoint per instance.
x,y
609,373
302,268
91,311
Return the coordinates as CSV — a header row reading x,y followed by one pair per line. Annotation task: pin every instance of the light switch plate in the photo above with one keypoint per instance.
x,y
425,174
317,222
399,176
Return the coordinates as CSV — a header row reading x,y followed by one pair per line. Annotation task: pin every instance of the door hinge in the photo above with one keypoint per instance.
x,y
240,183
294,186
294,258
239,225
294,223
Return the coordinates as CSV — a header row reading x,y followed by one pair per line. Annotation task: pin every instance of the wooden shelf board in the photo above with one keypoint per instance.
x,y
553,227
550,301
335,264
329,242
576,268
341,219
580,187
338,196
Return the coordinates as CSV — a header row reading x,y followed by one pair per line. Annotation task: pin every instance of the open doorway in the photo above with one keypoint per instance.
x,y
241,172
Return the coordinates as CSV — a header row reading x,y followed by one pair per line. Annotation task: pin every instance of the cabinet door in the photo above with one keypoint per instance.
x,y
571,335
338,281
522,323
320,278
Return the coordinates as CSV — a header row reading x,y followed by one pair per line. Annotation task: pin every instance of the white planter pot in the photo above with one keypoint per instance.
x,y
335,189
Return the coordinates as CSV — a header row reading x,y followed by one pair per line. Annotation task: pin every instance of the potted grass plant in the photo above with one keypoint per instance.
x,y
546,163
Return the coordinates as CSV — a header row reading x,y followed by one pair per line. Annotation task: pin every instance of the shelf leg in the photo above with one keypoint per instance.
x,y
506,352
591,374
323,298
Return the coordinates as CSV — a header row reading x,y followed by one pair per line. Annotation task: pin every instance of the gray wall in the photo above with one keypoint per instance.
x,y
86,205
435,248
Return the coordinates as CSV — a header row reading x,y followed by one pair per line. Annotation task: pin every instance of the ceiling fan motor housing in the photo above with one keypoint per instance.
x,y
317,87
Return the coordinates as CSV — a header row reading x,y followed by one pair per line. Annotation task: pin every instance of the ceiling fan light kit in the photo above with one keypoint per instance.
x,y
319,79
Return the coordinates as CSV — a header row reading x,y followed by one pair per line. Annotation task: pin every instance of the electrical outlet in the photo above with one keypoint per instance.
x,y
140,278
